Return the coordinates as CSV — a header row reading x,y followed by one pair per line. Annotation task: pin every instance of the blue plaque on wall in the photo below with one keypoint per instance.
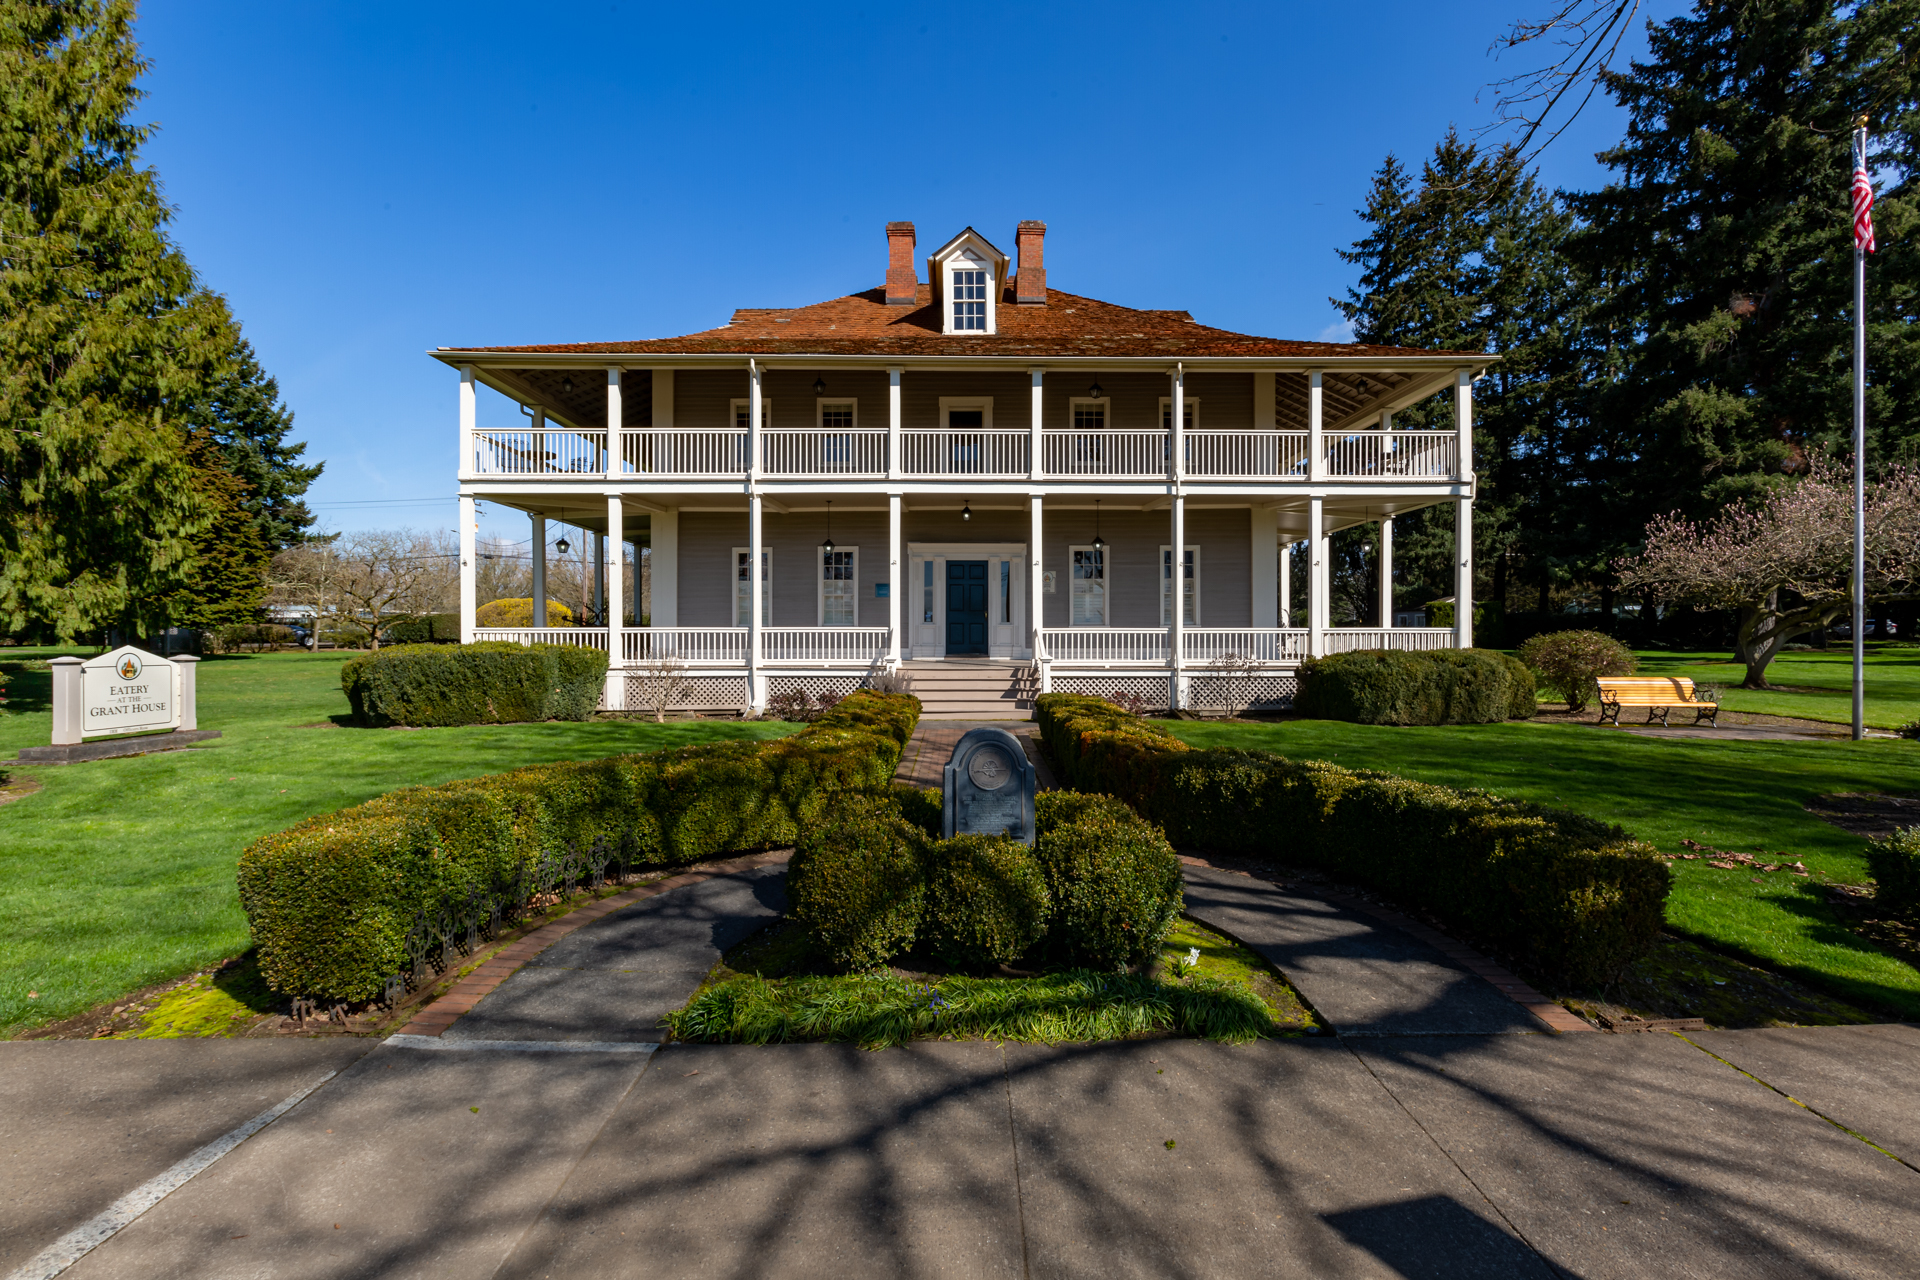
x,y
880,591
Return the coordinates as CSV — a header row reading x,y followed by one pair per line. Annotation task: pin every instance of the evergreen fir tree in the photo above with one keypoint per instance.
x,y
227,581
103,335
1726,241
241,412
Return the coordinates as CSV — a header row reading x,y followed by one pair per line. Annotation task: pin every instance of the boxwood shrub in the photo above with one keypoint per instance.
x,y
493,682
1894,864
856,882
1114,880
987,901
1576,896
1437,686
330,901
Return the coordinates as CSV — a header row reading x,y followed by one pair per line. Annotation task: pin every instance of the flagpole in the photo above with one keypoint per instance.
x,y
1859,460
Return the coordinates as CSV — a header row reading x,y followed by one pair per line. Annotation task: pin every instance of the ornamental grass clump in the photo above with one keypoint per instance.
x,y
877,1011
1571,663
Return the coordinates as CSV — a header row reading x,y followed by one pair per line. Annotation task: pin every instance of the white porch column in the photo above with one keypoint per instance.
x,y
1286,585
1265,571
1034,440
469,588
1463,573
1386,572
598,555
1178,424
1174,582
1463,513
896,579
469,419
1316,422
753,437
539,568
662,398
616,421
1036,588
616,571
1463,423
665,560
894,471
1317,595
756,692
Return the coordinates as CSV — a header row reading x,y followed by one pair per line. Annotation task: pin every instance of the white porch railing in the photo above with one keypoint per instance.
x,y
1130,454
1262,644
694,646
1263,455
1347,639
824,644
1426,455
585,637
1106,646
674,452
536,453
788,452
964,453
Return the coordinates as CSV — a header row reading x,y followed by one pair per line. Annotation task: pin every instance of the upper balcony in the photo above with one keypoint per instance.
x,y
873,454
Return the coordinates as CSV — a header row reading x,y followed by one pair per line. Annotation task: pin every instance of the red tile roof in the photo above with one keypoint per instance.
x,y
1069,325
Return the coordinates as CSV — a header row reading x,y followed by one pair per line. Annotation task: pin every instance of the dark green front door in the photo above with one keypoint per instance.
x,y
966,606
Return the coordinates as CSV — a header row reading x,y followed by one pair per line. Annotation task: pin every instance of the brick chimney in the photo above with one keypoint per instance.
x,y
903,286
1030,284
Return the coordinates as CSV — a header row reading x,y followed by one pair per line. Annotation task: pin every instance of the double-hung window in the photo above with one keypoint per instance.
x,y
743,584
1089,449
839,586
970,301
1189,587
837,420
1089,605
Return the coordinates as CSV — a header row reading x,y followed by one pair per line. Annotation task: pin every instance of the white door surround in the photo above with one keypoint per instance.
x,y
927,577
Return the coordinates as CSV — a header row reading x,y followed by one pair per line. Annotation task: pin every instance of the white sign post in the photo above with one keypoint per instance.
x,y
116,695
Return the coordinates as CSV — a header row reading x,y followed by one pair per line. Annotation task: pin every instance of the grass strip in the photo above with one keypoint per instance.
x,y
877,1011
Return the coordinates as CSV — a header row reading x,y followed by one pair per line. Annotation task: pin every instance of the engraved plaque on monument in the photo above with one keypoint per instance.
x,y
989,787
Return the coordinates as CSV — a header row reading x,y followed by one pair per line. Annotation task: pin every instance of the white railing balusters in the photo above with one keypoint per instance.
x,y
964,453
1348,639
1106,646
676,452
1422,455
809,645
1131,454
585,637
553,451
1260,644
1264,455
788,452
694,646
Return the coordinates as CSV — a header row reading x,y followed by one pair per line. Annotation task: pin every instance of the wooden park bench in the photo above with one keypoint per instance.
x,y
1655,693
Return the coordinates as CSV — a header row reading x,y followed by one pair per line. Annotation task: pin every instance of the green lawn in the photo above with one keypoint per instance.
x,y
1743,796
119,873
1816,685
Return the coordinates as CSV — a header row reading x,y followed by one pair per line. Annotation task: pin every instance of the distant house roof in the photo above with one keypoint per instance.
x,y
1068,326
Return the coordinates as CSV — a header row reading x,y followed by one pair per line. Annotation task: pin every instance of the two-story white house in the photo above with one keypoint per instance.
x,y
985,481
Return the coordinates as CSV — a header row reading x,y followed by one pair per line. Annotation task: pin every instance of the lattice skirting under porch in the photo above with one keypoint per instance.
x,y
1261,693
815,686
1204,693
700,693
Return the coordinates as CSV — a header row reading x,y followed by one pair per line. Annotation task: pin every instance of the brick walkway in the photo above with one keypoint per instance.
x,y
926,754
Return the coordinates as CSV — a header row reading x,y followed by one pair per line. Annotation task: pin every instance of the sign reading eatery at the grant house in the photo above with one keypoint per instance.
x,y
128,691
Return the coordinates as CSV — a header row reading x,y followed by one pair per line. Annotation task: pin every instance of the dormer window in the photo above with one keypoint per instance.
x,y
968,275
970,301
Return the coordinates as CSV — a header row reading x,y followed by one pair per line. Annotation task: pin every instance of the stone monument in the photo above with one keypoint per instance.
x,y
988,788
127,702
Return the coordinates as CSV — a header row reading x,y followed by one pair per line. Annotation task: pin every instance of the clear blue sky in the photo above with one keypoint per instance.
x,y
367,182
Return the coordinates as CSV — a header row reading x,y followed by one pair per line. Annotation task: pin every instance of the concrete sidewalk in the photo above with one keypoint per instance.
x,y
1470,1156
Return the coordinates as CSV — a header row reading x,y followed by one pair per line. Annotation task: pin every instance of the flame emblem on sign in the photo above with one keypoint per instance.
x,y
128,668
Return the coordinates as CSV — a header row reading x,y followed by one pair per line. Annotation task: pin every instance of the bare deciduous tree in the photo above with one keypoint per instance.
x,y
663,682
1234,674
384,573
1588,35
1785,566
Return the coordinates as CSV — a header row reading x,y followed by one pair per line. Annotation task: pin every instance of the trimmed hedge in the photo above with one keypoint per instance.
x,y
1101,887
987,901
1435,686
494,682
1894,864
430,628
857,884
330,901
1114,880
1578,897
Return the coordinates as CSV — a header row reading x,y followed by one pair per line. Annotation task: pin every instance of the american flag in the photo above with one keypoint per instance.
x,y
1862,204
